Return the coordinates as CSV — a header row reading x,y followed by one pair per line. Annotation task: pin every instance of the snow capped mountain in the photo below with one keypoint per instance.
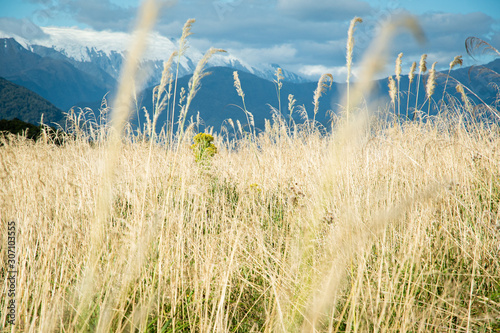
x,y
97,51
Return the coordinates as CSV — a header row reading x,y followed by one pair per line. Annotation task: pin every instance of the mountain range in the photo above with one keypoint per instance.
x,y
90,62
19,102
73,67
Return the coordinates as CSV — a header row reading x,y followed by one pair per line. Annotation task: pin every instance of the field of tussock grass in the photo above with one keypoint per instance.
x,y
377,224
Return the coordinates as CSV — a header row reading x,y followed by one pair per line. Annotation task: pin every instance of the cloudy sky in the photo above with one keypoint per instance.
x,y
304,36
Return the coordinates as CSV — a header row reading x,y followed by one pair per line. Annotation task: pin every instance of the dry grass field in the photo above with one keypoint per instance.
x,y
379,224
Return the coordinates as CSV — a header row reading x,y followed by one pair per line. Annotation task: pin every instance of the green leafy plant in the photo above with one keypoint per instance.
x,y
203,148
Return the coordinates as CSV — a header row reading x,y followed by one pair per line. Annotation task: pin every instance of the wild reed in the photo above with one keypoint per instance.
x,y
350,49
457,61
422,68
398,71
320,89
186,32
278,82
291,106
248,115
161,96
100,222
411,76
392,92
430,86
194,86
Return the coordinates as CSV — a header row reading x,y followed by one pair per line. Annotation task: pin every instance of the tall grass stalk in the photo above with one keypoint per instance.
x,y
411,76
120,114
392,92
350,49
194,85
320,89
161,96
186,32
457,61
278,82
430,86
422,68
248,115
398,71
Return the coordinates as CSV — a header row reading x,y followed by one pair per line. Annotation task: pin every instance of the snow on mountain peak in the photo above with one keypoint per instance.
x,y
76,43
86,45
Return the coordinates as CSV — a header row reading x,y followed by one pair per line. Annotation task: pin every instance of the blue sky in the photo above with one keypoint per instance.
x,y
305,36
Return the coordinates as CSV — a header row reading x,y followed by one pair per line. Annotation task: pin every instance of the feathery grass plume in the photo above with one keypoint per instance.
x,y
431,85
411,76
398,71
186,32
465,99
161,96
239,90
182,96
278,82
392,91
423,64
350,48
165,78
121,112
456,61
474,43
240,128
237,85
231,123
194,86
398,68
320,89
291,106
431,81
422,68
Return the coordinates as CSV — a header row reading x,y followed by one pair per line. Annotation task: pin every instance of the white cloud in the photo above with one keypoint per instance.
x,y
23,28
304,36
324,9
315,71
279,54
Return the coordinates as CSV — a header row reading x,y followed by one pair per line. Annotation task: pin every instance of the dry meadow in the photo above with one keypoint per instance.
x,y
375,224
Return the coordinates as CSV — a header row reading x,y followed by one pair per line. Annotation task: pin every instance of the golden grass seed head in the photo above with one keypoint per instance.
x,y
279,77
250,118
165,75
186,32
398,66
460,89
230,122
350,43
237,84
431,81
291,102
240,128
198,74
392,89
423,64
456,61
411,74
321,88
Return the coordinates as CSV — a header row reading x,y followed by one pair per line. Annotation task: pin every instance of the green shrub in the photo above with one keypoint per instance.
x,y
203,148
